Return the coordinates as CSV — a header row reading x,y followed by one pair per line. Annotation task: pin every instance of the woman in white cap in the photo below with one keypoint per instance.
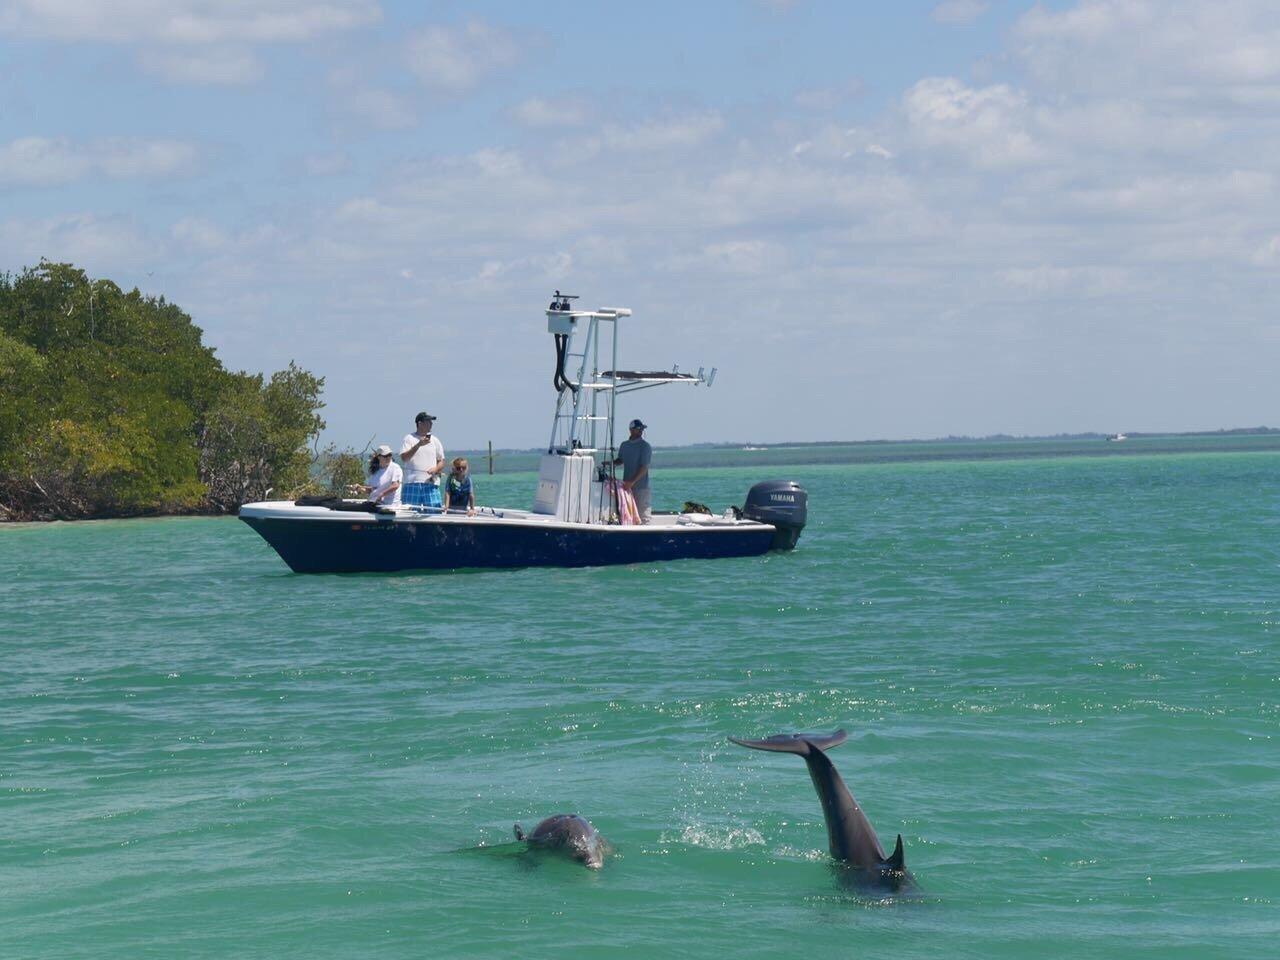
x,y
385,477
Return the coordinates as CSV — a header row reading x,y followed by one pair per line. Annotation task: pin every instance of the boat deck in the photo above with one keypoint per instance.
x,y
287,509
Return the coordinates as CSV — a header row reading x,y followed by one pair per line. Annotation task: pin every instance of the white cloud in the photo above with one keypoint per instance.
x,y
537,112
327,164
366,211
184,22
121,158
1046,280
959,11
197,233
1125,126
1088,21
1174,48
841,144
798,196
663,134
988,125
545,268
194,42
456,59
498,163
1172,197
1268,253
377,108
743,256
98,244
829,99
219,66
40,161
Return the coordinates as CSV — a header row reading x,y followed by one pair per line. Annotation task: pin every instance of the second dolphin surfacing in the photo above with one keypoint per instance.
x,y
851,838
569,834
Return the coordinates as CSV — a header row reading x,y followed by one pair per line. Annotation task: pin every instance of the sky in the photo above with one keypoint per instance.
x,y
876,220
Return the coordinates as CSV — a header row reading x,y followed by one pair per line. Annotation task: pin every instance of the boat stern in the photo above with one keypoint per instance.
x,y
783,504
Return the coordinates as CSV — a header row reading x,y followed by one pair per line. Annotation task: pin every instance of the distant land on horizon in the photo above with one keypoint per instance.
x,y
989,438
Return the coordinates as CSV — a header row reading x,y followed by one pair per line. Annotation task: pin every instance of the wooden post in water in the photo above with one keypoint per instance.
x,y
491,458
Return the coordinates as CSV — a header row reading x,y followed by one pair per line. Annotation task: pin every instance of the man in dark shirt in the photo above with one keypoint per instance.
x,y
634,454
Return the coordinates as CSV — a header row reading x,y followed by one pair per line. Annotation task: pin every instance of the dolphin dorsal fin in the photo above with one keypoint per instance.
x,y
897,861
519,832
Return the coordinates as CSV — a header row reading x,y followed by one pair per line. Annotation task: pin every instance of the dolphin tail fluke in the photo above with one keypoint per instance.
x,y
519,832
897,861
799,743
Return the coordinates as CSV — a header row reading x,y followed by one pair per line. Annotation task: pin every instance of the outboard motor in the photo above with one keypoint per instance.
x,y
782,503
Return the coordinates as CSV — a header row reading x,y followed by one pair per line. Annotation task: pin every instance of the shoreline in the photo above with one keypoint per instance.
x,y
9,521
955,450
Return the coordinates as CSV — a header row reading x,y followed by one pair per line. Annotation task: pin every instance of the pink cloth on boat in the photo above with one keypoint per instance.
x,y
628,512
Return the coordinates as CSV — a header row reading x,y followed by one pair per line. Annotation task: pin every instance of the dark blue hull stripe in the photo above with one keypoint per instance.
x,y
327,546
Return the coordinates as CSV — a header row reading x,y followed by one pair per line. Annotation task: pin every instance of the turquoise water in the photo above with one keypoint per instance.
x,y
1061,679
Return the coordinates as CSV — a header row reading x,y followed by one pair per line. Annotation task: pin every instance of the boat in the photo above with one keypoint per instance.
x,y
576,518
1116,437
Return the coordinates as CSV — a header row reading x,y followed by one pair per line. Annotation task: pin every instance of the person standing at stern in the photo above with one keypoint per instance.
x,y
634,454
423,459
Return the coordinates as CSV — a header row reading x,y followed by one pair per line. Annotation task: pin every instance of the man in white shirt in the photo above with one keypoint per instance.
x,y
423,459
384,478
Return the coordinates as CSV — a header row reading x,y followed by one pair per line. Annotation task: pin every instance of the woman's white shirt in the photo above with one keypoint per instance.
x,y
382,479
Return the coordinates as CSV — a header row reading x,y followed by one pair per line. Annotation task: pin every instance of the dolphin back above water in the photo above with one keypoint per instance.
x,y
569,834
851,838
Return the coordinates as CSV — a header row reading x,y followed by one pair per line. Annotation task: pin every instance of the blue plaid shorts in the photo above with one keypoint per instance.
x,y
420,495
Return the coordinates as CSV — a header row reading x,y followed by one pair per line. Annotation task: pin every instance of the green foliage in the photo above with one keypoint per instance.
x,y
334,471
22,372
110,405
255,435
346,468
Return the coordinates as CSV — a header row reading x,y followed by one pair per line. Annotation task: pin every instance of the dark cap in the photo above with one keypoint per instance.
x,y
423,416
638,424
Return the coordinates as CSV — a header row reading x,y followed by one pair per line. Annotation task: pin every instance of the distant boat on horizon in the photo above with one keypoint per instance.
x,y
1117,436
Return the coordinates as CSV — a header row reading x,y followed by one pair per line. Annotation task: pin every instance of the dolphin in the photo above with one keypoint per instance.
x,y
850,836
570,834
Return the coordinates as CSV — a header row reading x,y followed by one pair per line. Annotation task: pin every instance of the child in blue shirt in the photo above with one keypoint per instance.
x,y
457,489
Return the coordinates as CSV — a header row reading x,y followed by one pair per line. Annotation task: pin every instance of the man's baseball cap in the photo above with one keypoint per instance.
x,y
423,416
638,425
